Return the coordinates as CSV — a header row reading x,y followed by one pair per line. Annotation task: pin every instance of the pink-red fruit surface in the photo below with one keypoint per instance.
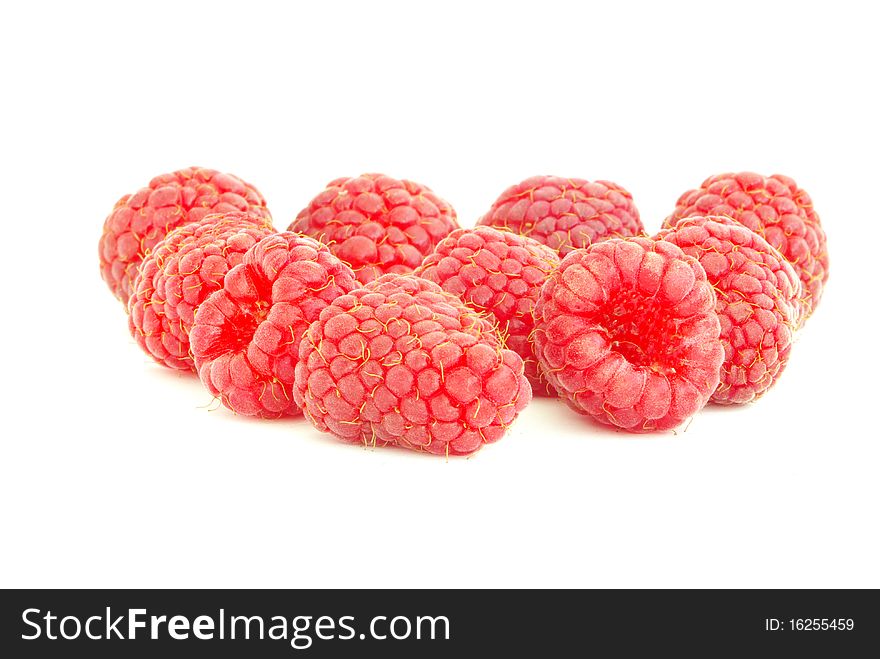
x,y
498,273
626,331
140,220
180,273
377,224
246,336
775,208
759,296
401,362
565,213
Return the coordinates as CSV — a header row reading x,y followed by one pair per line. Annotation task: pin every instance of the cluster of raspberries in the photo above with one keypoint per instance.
x,y
385,324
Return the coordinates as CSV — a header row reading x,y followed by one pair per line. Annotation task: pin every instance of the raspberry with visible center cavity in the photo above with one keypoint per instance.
x,y
626,331
758,304
377,224
179,274
775,208
140,220
498,273
401,362
246,336
565,213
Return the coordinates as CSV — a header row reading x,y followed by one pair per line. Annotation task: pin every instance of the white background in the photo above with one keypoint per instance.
x,y
115,472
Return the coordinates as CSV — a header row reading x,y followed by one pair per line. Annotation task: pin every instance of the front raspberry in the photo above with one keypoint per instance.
x,y
246,336
565,213
401,362
180,273
377,224
626,331
498,273
758,304
140,220
775,208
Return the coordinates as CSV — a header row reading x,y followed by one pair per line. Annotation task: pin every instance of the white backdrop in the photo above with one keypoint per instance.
x,y
116,472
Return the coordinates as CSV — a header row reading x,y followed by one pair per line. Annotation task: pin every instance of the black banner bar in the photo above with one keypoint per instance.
x,y
422,623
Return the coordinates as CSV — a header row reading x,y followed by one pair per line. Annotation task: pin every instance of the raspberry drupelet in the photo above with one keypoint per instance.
x,y
401,362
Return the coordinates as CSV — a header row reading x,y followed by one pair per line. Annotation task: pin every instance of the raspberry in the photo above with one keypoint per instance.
x,y
626,331
498,273
246,336
775,208
175,278
565,213
758,303
139,221
401,362
377,224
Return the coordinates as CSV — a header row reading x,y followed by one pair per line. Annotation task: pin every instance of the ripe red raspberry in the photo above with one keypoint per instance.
x,y
377,224
246,336
565,213
758,303
626,331
178,275
401,362
775,208
140,220
498,273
